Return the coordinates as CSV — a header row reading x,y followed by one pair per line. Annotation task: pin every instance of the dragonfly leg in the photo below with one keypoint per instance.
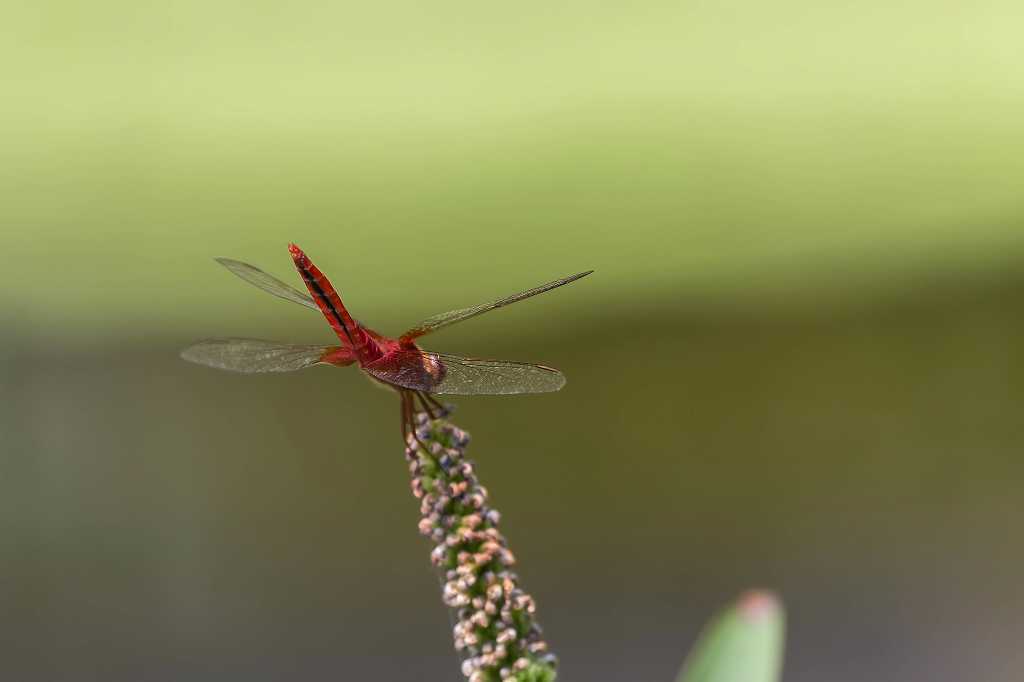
x,y
442,409
409,418
427,407
404,402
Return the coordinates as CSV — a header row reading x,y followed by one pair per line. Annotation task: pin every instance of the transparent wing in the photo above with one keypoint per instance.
x,y
254,355
444,319
272,285
440,373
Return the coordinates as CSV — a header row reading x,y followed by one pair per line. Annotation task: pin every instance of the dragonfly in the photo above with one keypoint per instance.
x,y
397,363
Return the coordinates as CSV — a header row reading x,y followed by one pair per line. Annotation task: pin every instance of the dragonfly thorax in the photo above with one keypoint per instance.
x,y
365,347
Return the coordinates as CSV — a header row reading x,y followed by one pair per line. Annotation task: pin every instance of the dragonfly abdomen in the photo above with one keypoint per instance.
x,y
329,302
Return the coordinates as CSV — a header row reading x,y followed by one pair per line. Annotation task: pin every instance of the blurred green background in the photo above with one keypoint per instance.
x,y
799,364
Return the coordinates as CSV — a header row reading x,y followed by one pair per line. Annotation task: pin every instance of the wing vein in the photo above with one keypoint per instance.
x,y
270,284
436,322
255,355
441,373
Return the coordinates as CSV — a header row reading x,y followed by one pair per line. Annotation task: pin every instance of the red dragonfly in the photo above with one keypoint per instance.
x,y
399,363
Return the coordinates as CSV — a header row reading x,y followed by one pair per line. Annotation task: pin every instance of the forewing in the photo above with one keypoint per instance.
x,y
254,355
441,373
444,319
272,285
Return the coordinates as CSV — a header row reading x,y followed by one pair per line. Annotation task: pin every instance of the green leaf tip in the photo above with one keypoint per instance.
x,y
744,643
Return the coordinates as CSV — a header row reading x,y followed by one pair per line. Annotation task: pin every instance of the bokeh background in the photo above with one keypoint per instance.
x,y
800,364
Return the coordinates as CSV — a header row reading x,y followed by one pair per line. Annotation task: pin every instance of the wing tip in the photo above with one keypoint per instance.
x,y
560,380
232,264
188,353
578,275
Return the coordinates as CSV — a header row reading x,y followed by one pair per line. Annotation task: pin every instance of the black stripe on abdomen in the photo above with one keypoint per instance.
x,y
319,292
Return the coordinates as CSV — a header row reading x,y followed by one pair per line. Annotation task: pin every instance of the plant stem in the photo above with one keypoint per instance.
x,y
495,628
